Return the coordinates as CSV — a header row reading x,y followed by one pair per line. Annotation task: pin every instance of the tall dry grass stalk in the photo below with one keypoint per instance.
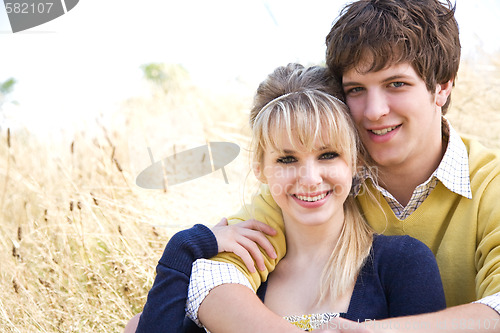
x,y
79,240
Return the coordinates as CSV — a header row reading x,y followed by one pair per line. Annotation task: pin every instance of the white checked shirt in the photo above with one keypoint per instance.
x,y
206,275
452,172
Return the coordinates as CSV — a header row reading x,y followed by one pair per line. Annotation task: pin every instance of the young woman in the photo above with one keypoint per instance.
x,y
306,152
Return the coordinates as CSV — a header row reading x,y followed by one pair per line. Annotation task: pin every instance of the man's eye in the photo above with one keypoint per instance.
x,y
397,84
286,159
329,156
353,90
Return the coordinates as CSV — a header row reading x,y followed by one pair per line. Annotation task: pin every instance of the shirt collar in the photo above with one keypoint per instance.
x,y
453,171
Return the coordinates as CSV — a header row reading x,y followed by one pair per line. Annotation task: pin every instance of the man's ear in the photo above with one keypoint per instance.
x,y
443,91
258,172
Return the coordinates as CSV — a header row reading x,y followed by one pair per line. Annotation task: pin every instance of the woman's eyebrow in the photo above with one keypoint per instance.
x,y
288,151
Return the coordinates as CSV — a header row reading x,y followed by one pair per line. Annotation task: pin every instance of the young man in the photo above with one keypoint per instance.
x,y
397,61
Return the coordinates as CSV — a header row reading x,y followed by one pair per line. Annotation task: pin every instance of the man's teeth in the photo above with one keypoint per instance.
x,y
384,131
312,199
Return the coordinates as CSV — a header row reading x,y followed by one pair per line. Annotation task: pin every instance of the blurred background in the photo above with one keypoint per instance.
x,y
85,97
85,62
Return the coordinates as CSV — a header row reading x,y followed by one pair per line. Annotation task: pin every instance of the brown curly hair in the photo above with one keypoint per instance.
x,y
385,32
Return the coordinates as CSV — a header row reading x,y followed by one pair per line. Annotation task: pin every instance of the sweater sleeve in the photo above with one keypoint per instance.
x,y
164,310
487,256
411,278
263,208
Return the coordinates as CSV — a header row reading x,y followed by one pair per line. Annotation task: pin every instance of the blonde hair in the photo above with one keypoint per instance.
x,y
302,102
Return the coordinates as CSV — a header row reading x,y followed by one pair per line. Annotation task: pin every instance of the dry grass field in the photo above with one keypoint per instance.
x,y
475,108
79,240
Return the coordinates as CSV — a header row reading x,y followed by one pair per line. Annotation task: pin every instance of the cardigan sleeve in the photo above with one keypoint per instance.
x,y
263,208
411,278
164,310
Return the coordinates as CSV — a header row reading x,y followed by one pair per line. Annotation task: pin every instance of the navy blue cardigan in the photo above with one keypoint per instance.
x,y
399,278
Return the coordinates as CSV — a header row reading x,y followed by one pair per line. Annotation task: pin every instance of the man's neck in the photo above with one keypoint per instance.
x,y
402,180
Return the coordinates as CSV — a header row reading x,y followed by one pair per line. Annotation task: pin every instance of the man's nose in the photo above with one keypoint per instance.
x,y
376,105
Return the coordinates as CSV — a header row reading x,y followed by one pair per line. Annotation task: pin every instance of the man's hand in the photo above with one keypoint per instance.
x,y
243,239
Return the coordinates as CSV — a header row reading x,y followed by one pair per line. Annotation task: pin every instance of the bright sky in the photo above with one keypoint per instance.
x,y
85,62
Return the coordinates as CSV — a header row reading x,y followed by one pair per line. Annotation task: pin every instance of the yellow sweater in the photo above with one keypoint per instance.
x,y
463,234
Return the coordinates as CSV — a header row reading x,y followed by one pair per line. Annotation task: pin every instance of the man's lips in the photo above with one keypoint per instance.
x,y
383,131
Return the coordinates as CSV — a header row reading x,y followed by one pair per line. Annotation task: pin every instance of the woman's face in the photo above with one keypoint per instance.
x,y
310,187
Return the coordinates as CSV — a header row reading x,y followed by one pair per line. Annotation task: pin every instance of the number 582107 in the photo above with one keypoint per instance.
x,y
28,8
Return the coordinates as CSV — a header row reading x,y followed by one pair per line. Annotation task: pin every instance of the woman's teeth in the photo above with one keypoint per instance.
x,y
311,199
384,131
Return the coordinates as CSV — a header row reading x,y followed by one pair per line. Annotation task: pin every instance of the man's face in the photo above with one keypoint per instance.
x,y
398,119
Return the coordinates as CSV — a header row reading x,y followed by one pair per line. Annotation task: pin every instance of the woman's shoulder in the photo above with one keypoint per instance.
x,y
402,247
408,273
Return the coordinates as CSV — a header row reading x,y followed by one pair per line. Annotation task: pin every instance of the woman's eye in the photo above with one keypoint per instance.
x,y
329,156
286,159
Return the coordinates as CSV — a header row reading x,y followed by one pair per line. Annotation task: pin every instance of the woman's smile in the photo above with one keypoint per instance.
x,y
312,200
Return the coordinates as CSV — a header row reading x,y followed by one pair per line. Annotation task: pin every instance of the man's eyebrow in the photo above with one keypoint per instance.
x,y
350,84
397,77
387,79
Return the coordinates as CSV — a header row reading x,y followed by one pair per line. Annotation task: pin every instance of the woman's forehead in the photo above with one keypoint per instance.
x,y
284,140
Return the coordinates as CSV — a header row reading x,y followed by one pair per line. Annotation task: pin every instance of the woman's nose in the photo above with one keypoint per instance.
x,y
310,174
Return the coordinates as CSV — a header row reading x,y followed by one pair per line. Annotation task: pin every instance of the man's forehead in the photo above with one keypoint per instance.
x,y
373,59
